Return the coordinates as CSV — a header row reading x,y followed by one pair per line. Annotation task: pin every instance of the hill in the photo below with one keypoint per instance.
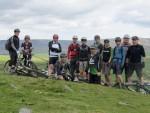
x,y
41,46
50,96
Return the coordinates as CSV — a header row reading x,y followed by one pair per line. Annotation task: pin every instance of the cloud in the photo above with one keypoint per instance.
x,y
41,19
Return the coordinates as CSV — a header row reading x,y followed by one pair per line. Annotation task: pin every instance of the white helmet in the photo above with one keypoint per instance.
x,y
126,36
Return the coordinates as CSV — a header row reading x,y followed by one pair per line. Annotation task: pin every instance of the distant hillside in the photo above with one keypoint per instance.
x,y
41,46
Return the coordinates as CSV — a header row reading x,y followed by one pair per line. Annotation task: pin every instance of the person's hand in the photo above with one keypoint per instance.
x,y
18,52
98,73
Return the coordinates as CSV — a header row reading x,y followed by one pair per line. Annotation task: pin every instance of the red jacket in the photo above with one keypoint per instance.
x,y
73,50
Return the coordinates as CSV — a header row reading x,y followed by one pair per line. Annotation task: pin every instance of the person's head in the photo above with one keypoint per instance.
x,y
63,57
75,39
126,39
135,40
93,50
97,38
83,40
16,32
106,43
27,38
55,38
118,41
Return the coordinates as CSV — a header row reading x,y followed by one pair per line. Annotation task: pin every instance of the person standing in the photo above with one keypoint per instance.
x,y
106,62
134,56
73,56
118,62
99,48
84,54
54,52
125,45
26,49
93,66
14,48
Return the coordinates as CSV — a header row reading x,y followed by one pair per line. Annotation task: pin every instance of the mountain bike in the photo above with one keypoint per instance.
x,y
135,86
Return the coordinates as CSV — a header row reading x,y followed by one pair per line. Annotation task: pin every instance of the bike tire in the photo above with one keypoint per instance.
x,y
6,67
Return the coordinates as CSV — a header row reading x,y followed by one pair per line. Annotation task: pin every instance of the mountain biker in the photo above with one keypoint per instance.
x,y
98,44
62,67
126,44
99,47
54,52
106,62
93,66
134,56
84,54
118,62
14,48
26,47
73,55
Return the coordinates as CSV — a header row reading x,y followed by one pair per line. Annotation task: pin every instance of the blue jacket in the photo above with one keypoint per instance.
x,y
119,55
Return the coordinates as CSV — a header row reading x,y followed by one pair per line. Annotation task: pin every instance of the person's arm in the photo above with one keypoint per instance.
x,y
110,55
12,44
89,52
101,48
142,51
123,56
60,48
128,55
31,47
68,52
22,47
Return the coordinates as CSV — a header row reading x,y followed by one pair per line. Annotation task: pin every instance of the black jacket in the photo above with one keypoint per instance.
x,y
84,53
135,53
15,43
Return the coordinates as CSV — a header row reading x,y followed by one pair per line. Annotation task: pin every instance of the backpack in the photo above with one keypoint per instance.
x,y
8,43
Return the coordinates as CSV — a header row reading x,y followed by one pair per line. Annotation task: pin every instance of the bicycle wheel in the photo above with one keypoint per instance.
x,y
33,67
6,67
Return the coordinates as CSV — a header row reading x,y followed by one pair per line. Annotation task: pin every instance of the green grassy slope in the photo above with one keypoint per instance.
x,y
50,96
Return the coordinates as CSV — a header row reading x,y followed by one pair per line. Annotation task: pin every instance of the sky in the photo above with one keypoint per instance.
x,y
42,18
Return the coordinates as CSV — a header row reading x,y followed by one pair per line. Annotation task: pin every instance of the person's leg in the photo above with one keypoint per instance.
x,y
139,72
126,72
72,68
81,68
116,73
97,79
131,71
51,66
91,78
84,70
25,60
106,71
11,58
14,58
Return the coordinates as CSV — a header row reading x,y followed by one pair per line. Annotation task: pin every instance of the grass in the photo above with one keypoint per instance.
x,y
50,96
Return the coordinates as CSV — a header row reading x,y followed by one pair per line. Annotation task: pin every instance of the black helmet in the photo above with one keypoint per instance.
x,y
63,55
135,38
83,39
117,39
96,37
106,41
16,30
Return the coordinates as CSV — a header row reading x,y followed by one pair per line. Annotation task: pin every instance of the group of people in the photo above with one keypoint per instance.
x,y
89,62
